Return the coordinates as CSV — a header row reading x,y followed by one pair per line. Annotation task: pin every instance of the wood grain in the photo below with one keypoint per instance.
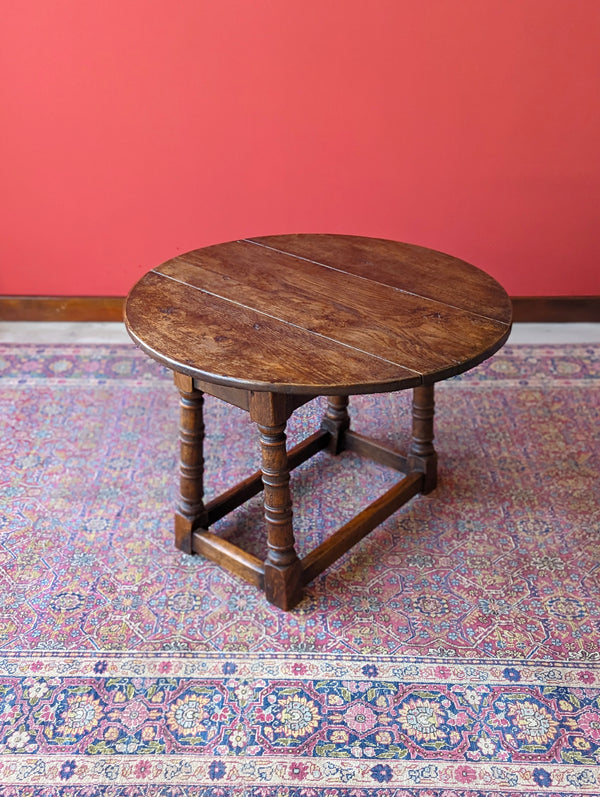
x,y
360,312
221,342
324,314
424,272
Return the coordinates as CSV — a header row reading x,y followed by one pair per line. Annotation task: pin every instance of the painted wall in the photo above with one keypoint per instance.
x,y
136,129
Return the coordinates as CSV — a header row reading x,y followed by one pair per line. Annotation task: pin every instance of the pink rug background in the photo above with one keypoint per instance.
x,y
491,581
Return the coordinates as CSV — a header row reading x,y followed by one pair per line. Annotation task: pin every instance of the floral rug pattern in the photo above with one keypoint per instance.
x,y
455,651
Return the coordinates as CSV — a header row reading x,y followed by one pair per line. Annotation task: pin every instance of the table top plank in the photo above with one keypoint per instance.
x,y
419,334
318,314
415,269
221,342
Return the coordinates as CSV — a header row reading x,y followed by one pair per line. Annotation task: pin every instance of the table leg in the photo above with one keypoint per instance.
x,y
336,420
283,569
190,513
421,455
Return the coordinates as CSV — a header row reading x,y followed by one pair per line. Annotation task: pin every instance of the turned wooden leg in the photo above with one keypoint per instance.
x,y
336,420
421,455
283,570
190,513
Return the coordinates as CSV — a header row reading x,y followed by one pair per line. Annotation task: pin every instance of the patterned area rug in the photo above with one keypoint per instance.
x,y
454,652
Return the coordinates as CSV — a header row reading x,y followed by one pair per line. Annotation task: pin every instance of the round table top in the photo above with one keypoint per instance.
x,y
318,314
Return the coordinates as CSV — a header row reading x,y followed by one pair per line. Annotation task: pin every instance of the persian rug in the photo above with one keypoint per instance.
x,y
454,652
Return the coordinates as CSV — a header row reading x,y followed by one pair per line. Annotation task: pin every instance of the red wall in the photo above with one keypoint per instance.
x,y
136,129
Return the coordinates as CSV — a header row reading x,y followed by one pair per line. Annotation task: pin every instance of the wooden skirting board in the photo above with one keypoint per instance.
x,y
61,308
545,309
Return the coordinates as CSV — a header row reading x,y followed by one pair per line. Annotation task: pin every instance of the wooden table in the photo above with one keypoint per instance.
x,y
267,324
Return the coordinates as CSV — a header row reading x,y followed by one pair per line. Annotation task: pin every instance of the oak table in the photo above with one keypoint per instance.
x,y
267,324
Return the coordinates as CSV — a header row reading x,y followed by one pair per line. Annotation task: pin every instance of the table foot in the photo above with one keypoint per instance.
x,y
421,455
284,585
190,513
